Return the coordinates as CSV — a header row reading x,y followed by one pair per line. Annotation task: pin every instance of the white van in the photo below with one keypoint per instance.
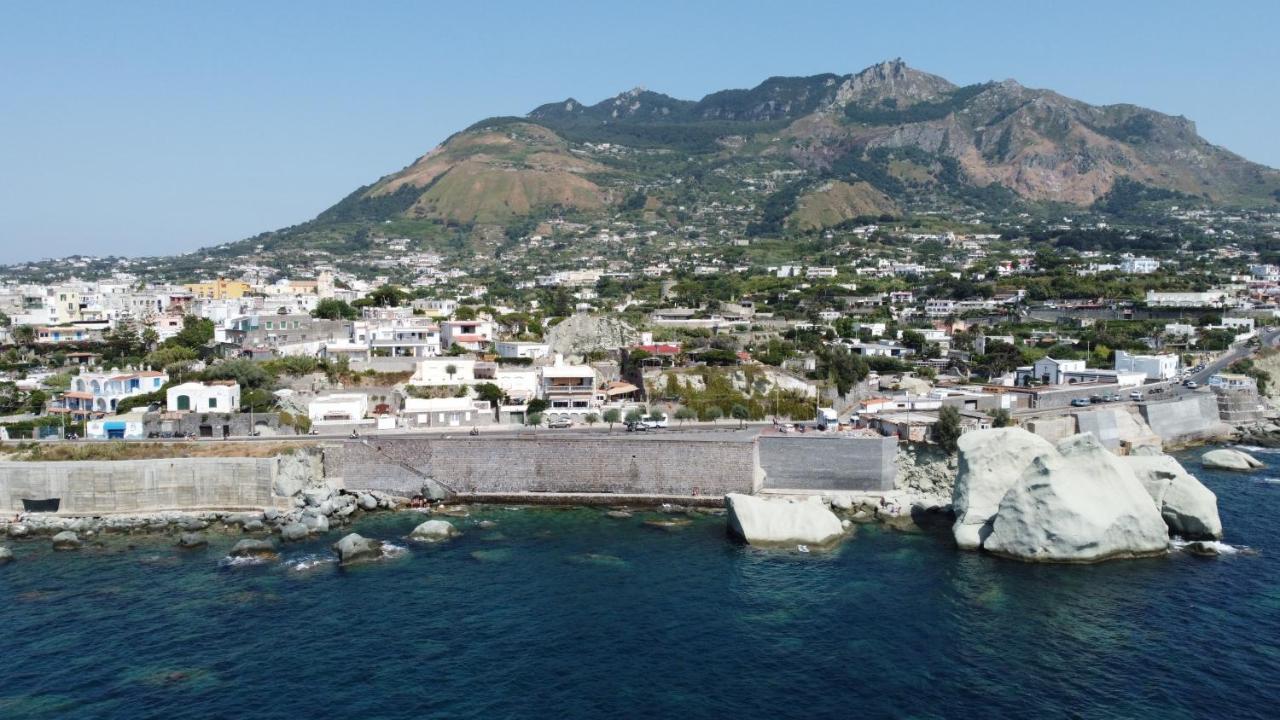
x,y
827,418
1136,395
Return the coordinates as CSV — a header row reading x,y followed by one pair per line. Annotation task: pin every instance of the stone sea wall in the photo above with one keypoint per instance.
x,y
684,464
131,486
1189,420
829,462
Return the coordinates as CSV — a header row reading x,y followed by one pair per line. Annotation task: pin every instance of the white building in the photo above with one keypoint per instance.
x,y
221,396
514,349
570,390
1138,265
445,412
1154,367
1053,372
472,335
445,371
106,390
338,409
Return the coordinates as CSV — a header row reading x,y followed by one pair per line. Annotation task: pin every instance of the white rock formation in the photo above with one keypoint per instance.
x,y
1228,459
991,461
782,521
1078,504
1188,507
434,531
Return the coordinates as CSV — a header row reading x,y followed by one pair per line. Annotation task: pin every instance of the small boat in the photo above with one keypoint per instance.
x,y
802,548
46,505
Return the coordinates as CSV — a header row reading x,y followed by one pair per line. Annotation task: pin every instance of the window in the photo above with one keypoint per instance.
x,y
213,402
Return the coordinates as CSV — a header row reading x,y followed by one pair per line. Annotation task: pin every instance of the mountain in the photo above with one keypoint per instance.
x,y
802,153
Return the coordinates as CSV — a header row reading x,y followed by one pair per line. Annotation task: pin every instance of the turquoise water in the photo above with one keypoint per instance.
x,y
569,614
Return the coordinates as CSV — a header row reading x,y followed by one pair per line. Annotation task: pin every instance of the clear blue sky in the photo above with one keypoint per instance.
x,y
158,127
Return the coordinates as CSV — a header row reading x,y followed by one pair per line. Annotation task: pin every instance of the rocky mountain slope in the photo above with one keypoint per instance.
x,y
803,153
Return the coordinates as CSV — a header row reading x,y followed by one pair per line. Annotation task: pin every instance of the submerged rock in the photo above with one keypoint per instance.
x,y
1229,459
294,532
618,514
253,548
782,521
354,548
1077,504
991,461
434,531
192,540
66,540
1189,509
6,555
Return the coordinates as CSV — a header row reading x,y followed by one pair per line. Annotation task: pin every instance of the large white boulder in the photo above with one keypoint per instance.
x,y
1188,507
782,521
1228,459
434,531
1079,504
991,461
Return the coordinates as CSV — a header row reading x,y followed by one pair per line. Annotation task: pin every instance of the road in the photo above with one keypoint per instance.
x,y
1174,389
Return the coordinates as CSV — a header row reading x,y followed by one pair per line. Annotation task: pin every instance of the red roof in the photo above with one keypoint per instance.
x,y
467,338
660,348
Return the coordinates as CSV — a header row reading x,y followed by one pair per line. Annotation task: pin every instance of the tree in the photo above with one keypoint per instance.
x,y
334,309
247,373
386,296
634,415
686,413
490,393
946,432
196,333
592,418
1001,418
36,400
536,405
24,335
533,419
464,312
150,337
740,413
451,369
713,413
611,416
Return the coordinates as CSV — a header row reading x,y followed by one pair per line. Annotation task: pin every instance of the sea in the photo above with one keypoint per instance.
x,y
568,613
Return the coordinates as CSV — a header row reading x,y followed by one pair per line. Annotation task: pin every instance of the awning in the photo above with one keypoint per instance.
x,y
620,388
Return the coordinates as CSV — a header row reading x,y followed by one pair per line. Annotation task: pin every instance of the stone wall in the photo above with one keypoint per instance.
x,y
140,485
1190,419
829,462
676,464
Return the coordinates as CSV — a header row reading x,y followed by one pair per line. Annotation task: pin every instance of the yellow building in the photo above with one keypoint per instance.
x,y
220,289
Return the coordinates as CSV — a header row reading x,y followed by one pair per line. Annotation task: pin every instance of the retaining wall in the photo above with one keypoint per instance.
x,y
140,485
829,462
684,464
1190,419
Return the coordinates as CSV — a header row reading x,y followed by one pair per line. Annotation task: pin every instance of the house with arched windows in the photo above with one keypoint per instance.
x,y
100,393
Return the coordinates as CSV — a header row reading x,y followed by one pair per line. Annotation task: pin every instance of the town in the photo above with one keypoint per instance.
x,y
880,328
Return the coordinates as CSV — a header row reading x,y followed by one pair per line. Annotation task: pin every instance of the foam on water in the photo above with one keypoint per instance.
x,y
309,562
229,561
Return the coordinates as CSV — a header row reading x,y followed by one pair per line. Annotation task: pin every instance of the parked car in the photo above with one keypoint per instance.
x,y
561,423
1113,397
1191,384
1095,399
1135,395
1080,402
637,426
656,421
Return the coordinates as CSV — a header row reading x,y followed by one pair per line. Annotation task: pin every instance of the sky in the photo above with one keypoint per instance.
x,y
145,128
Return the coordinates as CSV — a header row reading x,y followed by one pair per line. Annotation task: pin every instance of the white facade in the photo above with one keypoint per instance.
x,y
201,397
1138,265
469,334
436,371
443,412
1053,372
531,350
1154,367
108,389
338,409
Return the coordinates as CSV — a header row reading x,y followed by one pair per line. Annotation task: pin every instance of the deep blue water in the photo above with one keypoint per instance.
x,y
569,614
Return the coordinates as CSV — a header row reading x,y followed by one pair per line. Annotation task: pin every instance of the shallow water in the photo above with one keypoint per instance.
x,y
569,614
